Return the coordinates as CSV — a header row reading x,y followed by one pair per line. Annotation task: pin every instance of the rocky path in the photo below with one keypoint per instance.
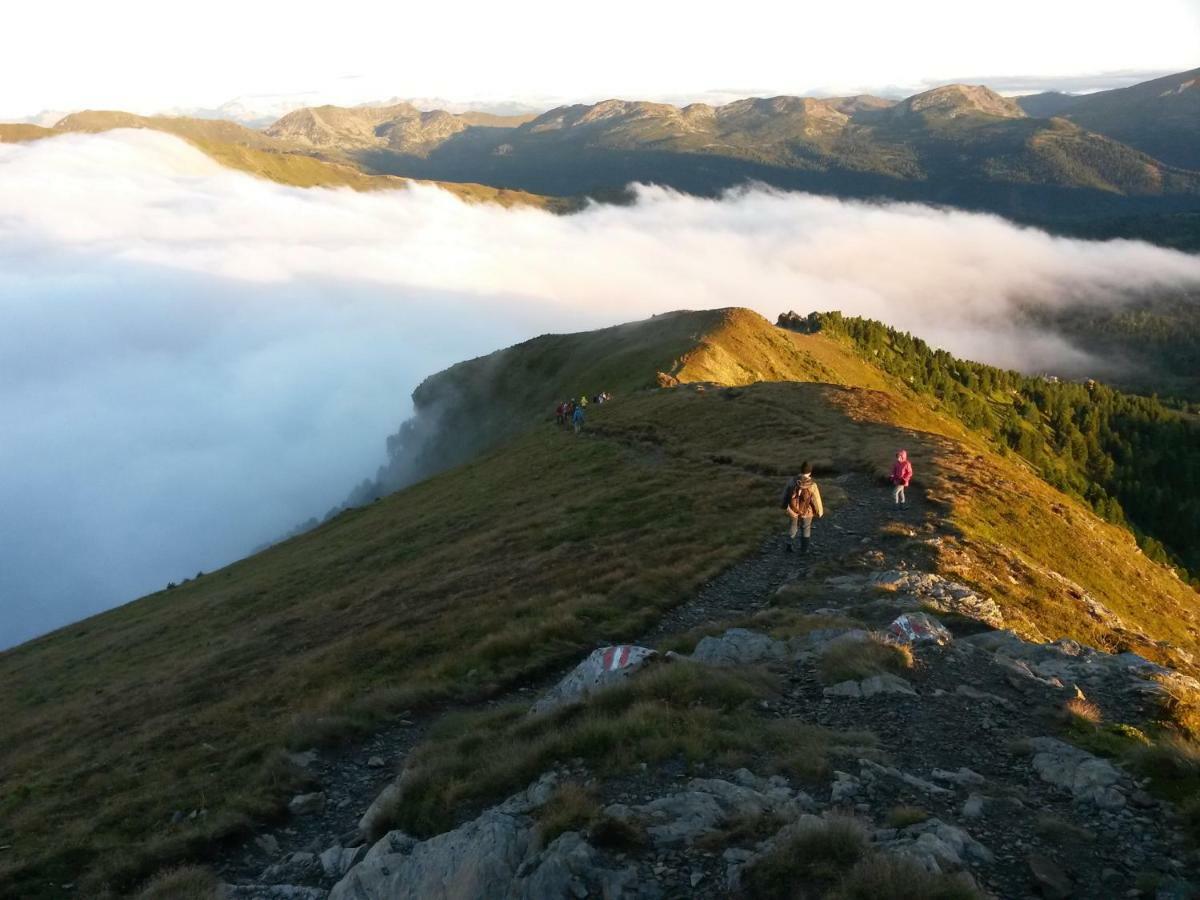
x,y
969,749
350,778
857,509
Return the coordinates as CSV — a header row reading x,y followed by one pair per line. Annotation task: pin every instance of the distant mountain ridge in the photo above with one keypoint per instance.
x,y
961,145
402,127
1119,163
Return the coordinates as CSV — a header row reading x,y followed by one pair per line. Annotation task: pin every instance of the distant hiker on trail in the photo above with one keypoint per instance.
x,y
902,473
577,419
560,413
802,500
583,400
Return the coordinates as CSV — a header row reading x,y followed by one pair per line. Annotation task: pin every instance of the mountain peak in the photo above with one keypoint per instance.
x,y
953,100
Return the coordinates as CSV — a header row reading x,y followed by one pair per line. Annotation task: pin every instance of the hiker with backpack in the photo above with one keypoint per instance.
x,y
902,473
577,419
802,500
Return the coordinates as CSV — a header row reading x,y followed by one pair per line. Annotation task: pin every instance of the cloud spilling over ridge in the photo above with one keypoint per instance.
x,y
193,360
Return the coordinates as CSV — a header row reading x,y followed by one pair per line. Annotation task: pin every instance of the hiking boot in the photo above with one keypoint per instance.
x,y
789,547
804,543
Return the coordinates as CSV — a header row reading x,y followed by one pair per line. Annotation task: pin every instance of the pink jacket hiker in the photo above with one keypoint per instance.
x,y
902,470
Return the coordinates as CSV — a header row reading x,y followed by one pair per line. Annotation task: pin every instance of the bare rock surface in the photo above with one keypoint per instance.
x,y
603,668
740,647
496,855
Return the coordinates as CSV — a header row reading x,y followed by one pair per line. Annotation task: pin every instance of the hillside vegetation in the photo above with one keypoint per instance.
x,y
1153,344
1159,117
1131,459
505,568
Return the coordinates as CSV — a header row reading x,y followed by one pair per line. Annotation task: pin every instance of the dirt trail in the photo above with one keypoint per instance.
x,y
857,508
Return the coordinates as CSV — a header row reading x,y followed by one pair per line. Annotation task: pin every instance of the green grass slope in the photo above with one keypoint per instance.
x,y
508,566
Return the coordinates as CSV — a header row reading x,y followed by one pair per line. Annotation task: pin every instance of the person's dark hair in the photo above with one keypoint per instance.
x,y
805,468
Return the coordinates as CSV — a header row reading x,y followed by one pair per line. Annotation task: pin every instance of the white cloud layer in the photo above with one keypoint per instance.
x,y
193,360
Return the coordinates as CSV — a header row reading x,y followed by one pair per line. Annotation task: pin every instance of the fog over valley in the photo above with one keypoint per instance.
x,y
193,361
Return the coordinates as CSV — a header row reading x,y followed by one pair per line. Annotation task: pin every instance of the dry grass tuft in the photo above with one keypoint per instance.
x,y
1172,758
743,831
816,854
903,816
1179,707
572,807
1082,711
882,876
846,659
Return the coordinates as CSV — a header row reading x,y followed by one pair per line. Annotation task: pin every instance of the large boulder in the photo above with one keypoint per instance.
x,y
477,860
299,868
377,818
605,667
1066,661
571,867
338,860
708,803
1088,778
740,647
496,856
869,687
942,595
918,628
935,845
869,771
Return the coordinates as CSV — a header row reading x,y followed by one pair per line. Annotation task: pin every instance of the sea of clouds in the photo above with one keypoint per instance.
x,y
192,360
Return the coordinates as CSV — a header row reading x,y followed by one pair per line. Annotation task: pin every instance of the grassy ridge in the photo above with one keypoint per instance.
x,y
508,566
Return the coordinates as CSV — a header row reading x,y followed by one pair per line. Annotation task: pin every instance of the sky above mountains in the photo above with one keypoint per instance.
x,y
149,57
193,361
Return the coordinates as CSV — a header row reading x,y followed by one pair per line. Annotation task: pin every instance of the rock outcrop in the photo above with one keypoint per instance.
x,y
495,855
604,668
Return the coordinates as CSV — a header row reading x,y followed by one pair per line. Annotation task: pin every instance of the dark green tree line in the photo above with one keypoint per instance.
x,y
1135,461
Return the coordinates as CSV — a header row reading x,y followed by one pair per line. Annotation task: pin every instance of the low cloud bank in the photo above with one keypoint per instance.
x,y
193,360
